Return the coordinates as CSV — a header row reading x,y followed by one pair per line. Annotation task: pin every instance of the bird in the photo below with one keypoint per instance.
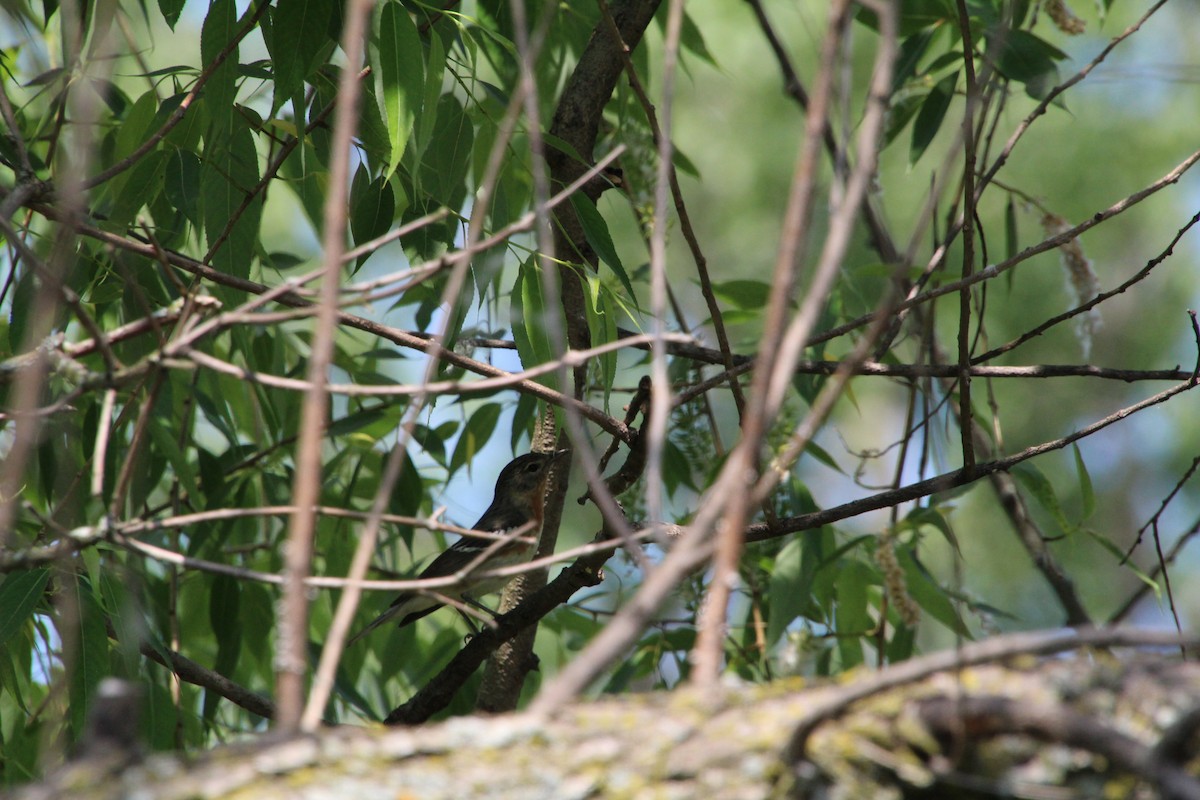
x,y
516,510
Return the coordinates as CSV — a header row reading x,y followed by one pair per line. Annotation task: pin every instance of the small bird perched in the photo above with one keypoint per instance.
x,y
516,511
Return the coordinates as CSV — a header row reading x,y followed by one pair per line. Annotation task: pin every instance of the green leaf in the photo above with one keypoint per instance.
x,y
914,15
143,183
136,126
929,119
15,688
595,230
182,184
693,40
91,662
372,209
19,596
564,147
376,422
932,599
900,114
746,294
399,61
822,455
602,325
1119,554
171,9
677,468
427,114
475,435
298,45
1039,486
527,312
911,51
1087,495
373,132
409,491
1021,56
1012,242
186,135
523,419
854,586
224,615
934,518
1027,59
684,164
788,590
220,26
229,172
447,157
163,434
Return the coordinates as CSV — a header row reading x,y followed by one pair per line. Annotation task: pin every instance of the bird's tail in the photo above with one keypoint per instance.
x,y
395,608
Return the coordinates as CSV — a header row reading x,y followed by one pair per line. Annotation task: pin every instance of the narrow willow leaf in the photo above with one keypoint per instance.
x,y
788,590
219,28
1012,241
603,328
372,209
854,584
1087,494
479,429
400,61
182,184
911,51
931,597
435,73
299,38
932,113
163,434
91,662
19,596
447,157
528,312
1039,486
230,171
595,230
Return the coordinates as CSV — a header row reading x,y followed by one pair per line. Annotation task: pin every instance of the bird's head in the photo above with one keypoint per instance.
x,y
523,480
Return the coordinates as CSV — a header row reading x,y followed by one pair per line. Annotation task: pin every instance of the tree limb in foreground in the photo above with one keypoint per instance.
x,y
1092,724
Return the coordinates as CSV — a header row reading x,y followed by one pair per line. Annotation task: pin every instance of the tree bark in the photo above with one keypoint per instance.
x,y
996,718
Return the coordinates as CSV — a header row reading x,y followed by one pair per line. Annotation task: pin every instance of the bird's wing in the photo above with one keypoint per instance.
x,y
453,559
456,557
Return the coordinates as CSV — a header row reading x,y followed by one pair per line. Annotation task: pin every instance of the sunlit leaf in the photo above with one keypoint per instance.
x,y
399,60
595,229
